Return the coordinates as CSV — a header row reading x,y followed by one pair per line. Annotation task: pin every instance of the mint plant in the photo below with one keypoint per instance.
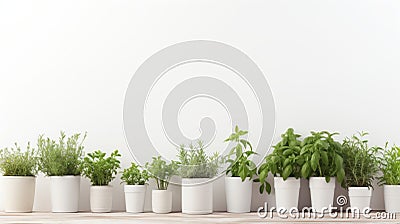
x,y
360,161
195,163
101,170
14,162
390,166
162,171
285,161
62,157
241,165
134,176
323,156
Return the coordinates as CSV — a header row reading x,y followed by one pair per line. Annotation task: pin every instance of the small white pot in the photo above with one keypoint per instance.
x,y
65,193
197,196
392,198
134,198
286,193
360,197
322,194
101,198
161,201
19,193
238,194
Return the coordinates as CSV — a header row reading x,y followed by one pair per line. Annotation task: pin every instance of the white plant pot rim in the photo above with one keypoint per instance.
x,y
238,178
19,177
391,186
101,186
196,181
135,188
361,188
158,190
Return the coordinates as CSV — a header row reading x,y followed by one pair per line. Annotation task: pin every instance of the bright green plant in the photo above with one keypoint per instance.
x,y
195,163
390,166
285,161
162,171
360,161
99,169
14,162
134,176
62,157
322,157
241,166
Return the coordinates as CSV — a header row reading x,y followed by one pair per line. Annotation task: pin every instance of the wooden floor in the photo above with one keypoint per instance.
x,y
121,217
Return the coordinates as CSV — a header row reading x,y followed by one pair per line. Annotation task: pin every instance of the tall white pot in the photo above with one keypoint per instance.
x,y
161,201
101,198
286,192
392,198
360,197
65,193
134,198
197,196
238,194
18,193
322,194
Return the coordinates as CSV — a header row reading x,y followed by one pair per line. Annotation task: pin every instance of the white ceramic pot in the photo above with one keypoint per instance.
x,y
238,194
322,194
18,193
101,198
134,198
197,196
161,201
286,193
392,198
360,197
64,193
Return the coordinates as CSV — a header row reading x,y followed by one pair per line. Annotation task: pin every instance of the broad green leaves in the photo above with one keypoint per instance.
x,y
162,171
99,169
285,161
241,166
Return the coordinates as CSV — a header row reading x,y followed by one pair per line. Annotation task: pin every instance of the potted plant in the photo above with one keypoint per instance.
x,y
361,165
285,163
19,171
161,171
390,167
101,170
238,186
135,188
196,170
323,163
61,161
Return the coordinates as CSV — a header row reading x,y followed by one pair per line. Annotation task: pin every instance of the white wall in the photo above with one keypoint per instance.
x,y
65,65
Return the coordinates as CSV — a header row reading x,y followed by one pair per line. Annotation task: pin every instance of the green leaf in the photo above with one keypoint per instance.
x,y
305,170
287,171
315,161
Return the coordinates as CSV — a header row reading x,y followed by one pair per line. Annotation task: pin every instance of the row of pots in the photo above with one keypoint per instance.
x,y
197,195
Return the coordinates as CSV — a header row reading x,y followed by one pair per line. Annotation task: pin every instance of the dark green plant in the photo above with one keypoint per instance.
x,y
134,176
195,163
241,166
285,161
99,169
360,161
14,162
323,157
162,171
61,158
390,166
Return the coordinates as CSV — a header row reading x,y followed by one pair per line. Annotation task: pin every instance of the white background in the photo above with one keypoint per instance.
x,y
65,65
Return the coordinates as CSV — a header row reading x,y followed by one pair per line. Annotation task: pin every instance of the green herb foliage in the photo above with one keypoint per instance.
x,y
101,170
133,175
62,157
241,166
285,161
323,157
14,162
390,166
360,161
162,171
195,163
